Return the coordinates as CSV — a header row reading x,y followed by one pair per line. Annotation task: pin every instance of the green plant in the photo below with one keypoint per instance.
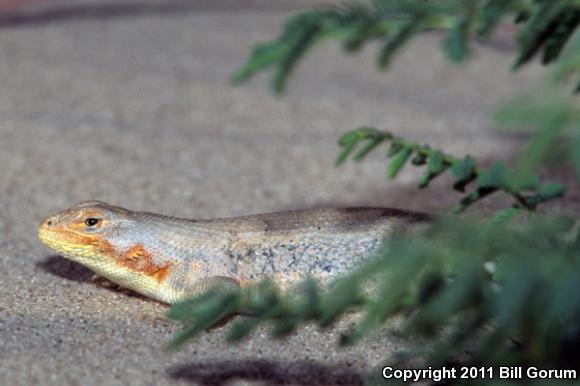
x,y
544,26
528,193
505,288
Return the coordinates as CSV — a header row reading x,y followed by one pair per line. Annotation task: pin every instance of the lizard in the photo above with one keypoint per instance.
x,y
169,259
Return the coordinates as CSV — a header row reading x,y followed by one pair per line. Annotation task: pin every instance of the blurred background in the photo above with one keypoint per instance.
x,y
129,102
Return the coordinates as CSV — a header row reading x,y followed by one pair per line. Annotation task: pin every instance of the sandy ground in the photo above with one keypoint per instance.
x,y
134,108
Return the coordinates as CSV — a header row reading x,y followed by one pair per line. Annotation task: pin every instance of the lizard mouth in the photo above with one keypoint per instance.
x,y
64,242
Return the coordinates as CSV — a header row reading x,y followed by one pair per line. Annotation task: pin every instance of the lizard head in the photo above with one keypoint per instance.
x,y
106,239
82,232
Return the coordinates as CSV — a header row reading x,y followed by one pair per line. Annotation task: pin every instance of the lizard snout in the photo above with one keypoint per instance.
x,y
47,223
47,227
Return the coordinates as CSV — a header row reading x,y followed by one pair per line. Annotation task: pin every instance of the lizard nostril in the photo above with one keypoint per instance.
x,y
49,222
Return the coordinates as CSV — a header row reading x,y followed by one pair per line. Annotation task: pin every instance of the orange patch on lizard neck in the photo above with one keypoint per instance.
x,y
105,247
138,259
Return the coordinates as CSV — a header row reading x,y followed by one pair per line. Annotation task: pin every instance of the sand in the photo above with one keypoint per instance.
x,y
132,106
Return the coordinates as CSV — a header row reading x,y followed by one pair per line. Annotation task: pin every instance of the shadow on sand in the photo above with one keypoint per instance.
x,y
69,270
126,9
61,267
221,372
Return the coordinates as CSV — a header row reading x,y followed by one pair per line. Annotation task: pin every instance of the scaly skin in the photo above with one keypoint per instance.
x,y
169,258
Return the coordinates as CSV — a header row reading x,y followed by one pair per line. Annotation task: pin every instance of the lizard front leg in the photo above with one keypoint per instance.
x,y
217,283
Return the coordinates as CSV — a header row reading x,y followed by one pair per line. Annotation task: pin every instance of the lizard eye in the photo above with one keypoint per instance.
x,y
91,221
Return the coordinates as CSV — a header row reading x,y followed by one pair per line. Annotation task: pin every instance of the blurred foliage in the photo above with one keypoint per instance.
x,y
543,26
501,290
